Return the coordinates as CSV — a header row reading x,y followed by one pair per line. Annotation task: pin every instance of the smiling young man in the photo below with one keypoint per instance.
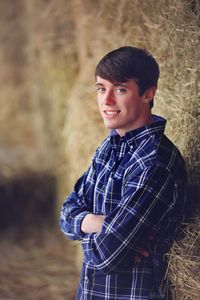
x,y
121,105
133,195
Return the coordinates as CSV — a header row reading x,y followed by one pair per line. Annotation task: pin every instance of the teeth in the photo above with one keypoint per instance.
x,y
111,112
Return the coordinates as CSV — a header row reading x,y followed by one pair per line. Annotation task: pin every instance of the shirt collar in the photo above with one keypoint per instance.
x,y
136,136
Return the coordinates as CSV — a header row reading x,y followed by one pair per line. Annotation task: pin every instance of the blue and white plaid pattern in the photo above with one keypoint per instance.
x,y
138,182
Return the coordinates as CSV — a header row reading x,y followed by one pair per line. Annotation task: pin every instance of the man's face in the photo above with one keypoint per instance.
x,y
121,105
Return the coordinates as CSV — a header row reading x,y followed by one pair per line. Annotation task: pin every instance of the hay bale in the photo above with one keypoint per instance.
x,y
184,263
170,30
48,101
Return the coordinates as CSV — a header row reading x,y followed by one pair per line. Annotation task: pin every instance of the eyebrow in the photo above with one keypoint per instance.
x,y
115,84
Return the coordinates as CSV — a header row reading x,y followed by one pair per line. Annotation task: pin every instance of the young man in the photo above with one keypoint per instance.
x,y
133,195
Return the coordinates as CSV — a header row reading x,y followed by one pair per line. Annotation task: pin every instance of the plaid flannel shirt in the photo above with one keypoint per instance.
x,y
138,182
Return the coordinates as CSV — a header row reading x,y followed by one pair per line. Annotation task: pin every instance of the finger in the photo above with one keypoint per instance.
x,y
137,259
144,252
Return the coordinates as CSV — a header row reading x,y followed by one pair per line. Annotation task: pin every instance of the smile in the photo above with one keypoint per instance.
x,y
111,113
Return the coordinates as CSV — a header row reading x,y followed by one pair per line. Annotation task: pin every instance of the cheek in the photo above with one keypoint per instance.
x,y
128,106
132,105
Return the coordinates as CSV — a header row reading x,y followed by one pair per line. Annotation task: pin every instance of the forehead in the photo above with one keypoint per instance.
x,y
105,82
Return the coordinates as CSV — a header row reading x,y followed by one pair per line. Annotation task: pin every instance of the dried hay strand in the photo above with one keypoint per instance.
x,y
184,263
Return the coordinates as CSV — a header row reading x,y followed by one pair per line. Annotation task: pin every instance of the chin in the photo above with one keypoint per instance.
x,y
109,126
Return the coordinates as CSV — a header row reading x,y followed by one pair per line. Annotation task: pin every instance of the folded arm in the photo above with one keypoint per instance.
x,y
136,216
111,242
78,205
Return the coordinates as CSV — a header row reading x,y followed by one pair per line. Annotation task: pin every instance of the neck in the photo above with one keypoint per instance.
x,y
146,119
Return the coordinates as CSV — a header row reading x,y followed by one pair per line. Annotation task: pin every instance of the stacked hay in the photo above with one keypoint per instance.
x,y
34,86
48,94
184,263
170,30
24,138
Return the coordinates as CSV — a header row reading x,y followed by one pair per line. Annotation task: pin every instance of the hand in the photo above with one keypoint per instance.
x,y
92,223
142,253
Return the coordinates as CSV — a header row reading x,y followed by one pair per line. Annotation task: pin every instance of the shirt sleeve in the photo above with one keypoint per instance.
x,y
141,211
77,205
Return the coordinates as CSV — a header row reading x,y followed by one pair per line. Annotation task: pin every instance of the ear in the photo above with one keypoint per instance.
x,y
149,94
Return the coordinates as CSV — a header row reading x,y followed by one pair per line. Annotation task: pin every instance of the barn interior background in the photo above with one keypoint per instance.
x,y
50,126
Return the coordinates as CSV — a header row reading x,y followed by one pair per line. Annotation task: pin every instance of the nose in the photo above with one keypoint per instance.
x,y
108,98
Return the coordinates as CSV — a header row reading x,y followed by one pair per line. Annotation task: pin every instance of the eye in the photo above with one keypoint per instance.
x,y
101,90
120,91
